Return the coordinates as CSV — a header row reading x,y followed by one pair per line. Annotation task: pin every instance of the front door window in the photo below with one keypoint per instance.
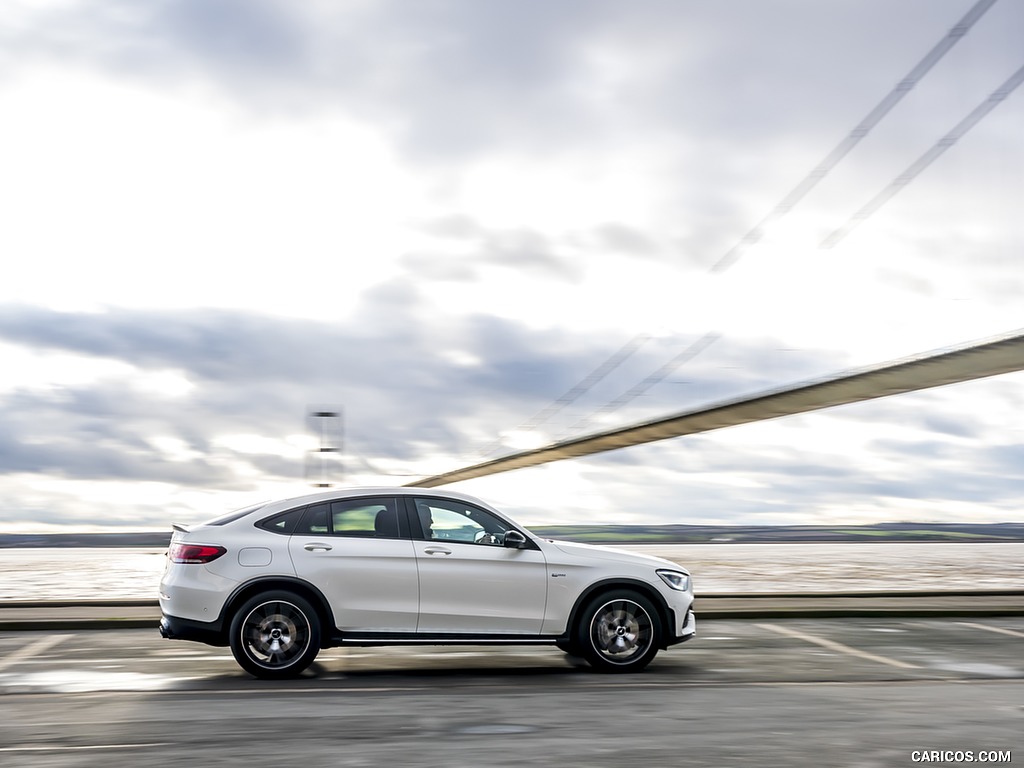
x,y
445,520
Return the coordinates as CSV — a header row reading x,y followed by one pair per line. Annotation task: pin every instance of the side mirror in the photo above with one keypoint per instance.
x,y
515,540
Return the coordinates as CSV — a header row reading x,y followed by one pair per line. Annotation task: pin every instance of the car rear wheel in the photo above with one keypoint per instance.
x,y
619,632
275,635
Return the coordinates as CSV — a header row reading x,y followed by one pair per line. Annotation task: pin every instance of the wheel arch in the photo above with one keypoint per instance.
x,y
604,586
302,588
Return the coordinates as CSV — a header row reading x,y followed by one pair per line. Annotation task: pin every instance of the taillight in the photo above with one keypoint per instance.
x,y
194,553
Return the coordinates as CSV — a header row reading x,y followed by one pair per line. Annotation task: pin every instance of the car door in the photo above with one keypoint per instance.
x,y
359,555
469,581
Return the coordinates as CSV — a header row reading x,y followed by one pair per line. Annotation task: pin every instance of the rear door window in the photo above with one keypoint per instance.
x,y
353,518
365,518
316,521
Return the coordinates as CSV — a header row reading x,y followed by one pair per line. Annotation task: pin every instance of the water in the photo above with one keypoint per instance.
x,y
125,573
848,567
81,573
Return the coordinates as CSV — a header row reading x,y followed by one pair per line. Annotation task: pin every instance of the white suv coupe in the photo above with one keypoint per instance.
x,y
392,566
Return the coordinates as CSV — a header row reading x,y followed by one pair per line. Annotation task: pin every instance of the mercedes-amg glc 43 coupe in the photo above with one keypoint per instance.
x,y
391,566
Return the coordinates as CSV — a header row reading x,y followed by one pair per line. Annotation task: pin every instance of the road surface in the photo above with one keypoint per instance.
x,y
816,692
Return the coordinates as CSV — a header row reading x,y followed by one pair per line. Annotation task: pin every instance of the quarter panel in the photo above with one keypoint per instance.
x,y
199,592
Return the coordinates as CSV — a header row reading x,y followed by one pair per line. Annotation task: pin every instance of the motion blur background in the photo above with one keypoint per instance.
x,y
477,227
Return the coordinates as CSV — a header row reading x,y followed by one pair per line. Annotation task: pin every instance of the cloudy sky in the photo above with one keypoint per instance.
x,y
440,216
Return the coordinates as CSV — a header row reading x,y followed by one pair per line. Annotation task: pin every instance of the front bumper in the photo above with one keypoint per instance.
x,y
687,631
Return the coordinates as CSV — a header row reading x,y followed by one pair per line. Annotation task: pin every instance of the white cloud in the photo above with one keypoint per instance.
x,y
444,217
124,196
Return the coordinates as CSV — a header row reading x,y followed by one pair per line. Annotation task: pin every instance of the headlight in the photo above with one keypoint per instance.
x,y
676,579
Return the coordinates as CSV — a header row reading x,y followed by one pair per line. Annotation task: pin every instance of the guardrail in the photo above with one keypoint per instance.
x,y
71,615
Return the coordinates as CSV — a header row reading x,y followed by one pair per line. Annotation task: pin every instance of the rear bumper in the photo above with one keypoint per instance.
x,y
210,633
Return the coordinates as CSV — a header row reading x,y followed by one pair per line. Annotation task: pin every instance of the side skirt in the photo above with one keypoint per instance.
x,y
370,639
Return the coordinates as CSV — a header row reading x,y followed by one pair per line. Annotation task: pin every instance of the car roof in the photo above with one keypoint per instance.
x,y
356,492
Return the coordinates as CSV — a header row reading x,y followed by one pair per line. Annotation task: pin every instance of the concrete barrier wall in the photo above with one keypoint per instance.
x,y
71,615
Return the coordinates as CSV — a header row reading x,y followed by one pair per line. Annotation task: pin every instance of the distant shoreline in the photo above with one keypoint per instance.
x,y
630,534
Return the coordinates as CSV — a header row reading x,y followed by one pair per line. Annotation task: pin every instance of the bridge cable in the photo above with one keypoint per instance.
x,y
822,169
812,179
929,157
819,172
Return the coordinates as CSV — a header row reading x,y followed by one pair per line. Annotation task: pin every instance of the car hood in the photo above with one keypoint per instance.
x,y
615,554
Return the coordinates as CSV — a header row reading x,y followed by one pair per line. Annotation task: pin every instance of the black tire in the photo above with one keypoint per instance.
x,y
275,635
619,631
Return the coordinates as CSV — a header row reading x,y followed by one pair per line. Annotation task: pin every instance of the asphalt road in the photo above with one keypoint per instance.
x,y
826,692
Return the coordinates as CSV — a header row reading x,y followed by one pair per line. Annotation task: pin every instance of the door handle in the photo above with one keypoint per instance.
x,y
315,545
437,551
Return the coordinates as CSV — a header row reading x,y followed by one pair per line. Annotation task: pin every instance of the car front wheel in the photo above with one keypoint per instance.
x,y
619,632
275,635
